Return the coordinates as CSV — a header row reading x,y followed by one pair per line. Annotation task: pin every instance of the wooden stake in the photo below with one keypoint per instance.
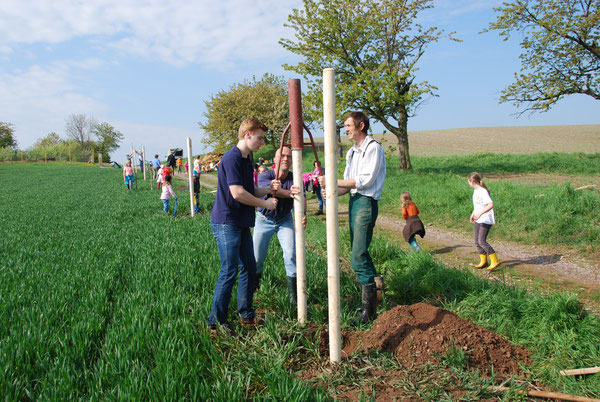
x,y
99,159
190,178
300,237
144,162
549,395
582,371
92,159
333,261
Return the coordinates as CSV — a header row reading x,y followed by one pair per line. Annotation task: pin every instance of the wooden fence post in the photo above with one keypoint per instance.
x,y
333,261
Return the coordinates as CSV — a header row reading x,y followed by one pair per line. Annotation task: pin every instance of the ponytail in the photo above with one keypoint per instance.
x,y
406,199
477,179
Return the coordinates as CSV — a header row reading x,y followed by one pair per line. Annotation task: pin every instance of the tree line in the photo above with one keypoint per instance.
x,y
84,136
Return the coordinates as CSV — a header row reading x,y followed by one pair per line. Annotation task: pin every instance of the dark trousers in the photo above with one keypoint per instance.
x,y
480,232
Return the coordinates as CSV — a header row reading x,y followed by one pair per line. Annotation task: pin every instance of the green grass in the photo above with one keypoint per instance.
x,y
104,297
553,214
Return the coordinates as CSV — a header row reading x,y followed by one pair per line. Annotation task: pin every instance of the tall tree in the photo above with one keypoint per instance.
x,y
51,139
560,40
80,127
108,139
265,99
7,136
374,46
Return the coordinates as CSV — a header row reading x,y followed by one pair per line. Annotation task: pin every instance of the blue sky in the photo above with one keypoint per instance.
x,y
146,67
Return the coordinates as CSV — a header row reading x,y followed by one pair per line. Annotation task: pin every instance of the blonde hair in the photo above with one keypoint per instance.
x,y
478,179
250,124
406,199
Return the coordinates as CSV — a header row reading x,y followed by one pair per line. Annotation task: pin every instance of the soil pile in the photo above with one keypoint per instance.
x,y
422,333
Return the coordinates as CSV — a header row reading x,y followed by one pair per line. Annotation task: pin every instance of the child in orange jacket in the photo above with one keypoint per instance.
x,y
414,226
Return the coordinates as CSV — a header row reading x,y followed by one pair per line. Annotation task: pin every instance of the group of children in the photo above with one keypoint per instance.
x,y
482,219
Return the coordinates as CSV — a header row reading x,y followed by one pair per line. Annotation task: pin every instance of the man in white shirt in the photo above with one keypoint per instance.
x,y
363,179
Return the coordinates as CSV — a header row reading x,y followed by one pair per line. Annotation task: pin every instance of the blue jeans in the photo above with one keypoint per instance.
x,y
165,206
235,246
362,214
263,231
320,197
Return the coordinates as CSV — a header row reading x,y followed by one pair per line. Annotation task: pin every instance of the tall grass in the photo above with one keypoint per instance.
x,y
104,297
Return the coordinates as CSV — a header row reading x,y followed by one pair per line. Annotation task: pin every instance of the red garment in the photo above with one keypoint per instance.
x,y
410,210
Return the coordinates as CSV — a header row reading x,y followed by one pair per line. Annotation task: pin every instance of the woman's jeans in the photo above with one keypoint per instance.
x,y
264,229
320,197
235,247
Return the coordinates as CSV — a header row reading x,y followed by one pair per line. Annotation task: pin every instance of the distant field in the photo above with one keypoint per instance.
x,y
518,140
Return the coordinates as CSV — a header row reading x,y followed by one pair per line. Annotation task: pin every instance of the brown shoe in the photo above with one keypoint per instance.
x,y
221,330
251,322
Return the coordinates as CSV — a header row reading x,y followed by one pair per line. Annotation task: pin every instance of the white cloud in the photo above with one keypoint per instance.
x,y
201,31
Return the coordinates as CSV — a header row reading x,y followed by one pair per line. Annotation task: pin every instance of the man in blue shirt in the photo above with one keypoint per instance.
x,y
155,165
278,220
231,218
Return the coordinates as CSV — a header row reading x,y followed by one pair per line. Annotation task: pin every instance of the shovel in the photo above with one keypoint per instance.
x,y
175,208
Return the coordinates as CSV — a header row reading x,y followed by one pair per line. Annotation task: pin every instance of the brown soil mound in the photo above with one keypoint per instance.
x,y
421,333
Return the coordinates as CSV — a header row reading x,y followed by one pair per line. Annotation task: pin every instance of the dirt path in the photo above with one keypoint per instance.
x,y
551,268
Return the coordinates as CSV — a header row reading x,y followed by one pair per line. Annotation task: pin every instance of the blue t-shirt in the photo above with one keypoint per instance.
x,y
156,162
234,169
284,205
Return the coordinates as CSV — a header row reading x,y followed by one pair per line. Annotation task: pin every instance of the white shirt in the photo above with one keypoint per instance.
x,y
366,165
481,199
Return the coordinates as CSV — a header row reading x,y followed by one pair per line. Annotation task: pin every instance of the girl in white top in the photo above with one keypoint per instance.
x,y
167,192
482,219
159,177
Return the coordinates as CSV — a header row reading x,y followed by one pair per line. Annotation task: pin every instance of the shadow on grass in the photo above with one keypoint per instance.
x,y
539,260
448,249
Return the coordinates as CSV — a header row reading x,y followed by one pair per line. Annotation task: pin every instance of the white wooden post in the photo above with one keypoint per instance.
x,y
333,261
190,178
300,238
144,161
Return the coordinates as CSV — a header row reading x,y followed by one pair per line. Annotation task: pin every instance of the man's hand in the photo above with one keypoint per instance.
x,y
270,203
275,185
321,180
304,220
294,191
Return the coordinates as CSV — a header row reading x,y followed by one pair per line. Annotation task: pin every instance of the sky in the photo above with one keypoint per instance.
x,y
147,67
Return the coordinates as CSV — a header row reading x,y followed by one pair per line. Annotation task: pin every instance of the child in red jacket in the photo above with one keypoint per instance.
x,y
414,226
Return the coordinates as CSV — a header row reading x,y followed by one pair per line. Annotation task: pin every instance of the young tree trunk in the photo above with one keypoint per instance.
x,y
401,132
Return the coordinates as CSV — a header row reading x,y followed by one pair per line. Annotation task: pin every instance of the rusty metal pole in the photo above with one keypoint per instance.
x,y
297,140
333,261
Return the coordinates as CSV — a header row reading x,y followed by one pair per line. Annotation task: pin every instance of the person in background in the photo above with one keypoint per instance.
x,y
155,165
171,161
167,192
128,175
179,163
159,177
231,218
317,188
187,167
414,226
278,220
363,179
482,219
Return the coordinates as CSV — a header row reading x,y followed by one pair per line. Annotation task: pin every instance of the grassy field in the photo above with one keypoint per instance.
x,y
104,297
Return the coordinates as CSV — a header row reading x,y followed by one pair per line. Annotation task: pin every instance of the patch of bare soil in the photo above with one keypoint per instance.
x,y
417,335
422,333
